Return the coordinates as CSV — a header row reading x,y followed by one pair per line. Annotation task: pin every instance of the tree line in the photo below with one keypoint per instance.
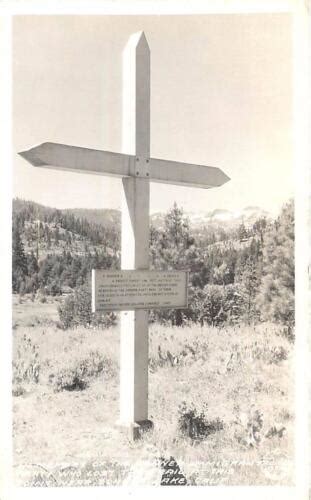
x,y
244,274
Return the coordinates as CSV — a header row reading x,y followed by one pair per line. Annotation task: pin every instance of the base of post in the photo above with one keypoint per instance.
x,y
135,430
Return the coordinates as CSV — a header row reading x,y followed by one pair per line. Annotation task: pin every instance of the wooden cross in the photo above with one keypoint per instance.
x,y
136,169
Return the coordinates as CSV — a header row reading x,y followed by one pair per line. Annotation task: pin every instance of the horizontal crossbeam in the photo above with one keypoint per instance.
x,y
92,161
76,159
186,174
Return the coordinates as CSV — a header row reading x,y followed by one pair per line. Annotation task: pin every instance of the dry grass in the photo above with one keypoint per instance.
x,y
237,375
237,382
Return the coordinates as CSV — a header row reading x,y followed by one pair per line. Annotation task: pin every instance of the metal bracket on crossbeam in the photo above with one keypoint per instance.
x,y
140,167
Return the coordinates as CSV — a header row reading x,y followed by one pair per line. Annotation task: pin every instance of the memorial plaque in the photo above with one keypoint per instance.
x,y
129,289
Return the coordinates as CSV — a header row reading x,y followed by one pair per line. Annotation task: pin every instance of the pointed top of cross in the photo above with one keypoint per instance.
x,y
135,161
138,38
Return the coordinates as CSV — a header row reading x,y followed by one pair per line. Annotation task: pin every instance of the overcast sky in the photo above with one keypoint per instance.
x,y
220,95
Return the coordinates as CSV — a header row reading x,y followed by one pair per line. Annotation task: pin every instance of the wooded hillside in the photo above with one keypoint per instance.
x,y
245,271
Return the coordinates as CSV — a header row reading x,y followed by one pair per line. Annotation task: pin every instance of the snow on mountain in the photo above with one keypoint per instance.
x,y
219,217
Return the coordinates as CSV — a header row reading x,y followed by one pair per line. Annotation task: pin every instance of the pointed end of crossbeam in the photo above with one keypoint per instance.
x,y
32,155
223,178
137,40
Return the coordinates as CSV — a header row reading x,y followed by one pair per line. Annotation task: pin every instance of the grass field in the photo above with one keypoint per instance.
x,y
221,400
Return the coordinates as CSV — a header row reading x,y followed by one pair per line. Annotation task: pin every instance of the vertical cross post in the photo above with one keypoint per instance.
x,y
135,232
136,168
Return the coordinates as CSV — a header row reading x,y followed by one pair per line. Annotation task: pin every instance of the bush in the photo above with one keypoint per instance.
x,y
77,377
213,312
177,357
53,288
26,366
288,333
214,305
250,428
66,312
270,355
77,310
196,426
234,303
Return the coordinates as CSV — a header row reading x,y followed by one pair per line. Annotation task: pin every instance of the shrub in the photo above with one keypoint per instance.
x,y
213,311
18,390
288,333
234,303
69,380
77,310
270,355
250,429
195,425
78,376
179,356
26,366
53,287
214,305
278,354
66,312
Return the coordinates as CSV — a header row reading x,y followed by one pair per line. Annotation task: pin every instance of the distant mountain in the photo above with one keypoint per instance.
x,y
110,219
221,214
50,230
219,218
247,215
106,217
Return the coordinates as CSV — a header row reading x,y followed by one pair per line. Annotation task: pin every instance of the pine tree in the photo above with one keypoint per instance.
x,y
32,264
173,247
277,291
48,237
242,232
259,228
177,227
19,261
249,288
56,236
31,280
